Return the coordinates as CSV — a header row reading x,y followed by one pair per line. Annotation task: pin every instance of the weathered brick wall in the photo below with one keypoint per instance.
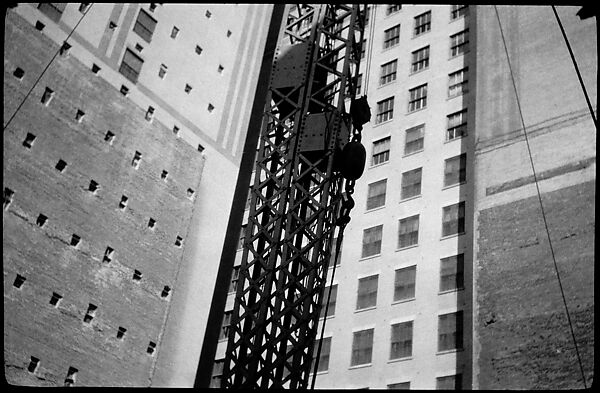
x,y
522,326
44,256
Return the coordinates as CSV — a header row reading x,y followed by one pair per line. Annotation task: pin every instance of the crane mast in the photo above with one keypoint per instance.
x,y
296,197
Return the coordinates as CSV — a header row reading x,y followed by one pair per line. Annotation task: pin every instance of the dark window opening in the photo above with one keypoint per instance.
x,y
121,332
55,299
61,165
41,220
108,254
75,239
137,275
39,25
165,292
33,364
95,68
19,73
151,347
28,142
19,281
8,194
91,312
93,187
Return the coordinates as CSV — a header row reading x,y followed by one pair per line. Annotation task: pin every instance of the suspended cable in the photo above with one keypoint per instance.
x,y
46,68
587,98
369,45
540,199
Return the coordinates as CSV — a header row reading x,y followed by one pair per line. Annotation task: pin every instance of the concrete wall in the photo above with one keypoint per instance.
x,y
58,336
521,334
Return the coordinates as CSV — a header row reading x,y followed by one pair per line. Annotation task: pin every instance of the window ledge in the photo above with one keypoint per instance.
x,y
454,185
453,235
459,55
410,198
404,359
365,309
420,34
449,351
369,257
417,110
450,291
388,84
407,247
457,95
458,137
377,165
383,122
403,301
360,366
389,47
412,153
375,209
417,72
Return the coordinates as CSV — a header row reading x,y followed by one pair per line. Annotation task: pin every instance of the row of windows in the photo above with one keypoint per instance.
x,y
454,173
449,337
453,223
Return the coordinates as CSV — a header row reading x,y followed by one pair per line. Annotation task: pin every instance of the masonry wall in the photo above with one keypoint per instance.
x,y
58,336
522,338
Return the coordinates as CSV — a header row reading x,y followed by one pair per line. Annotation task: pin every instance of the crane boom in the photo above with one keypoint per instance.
x,y
295,198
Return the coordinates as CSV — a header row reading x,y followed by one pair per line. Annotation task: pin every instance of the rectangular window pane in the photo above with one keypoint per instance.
x,y
381,151
450,331
411,184
457,125
145,25
225,325
450,382
362,347
392,8
408,231
332,302
131,65
420,59
401,341
414,139
404,283
399,386
333,253
453,219
459,43
372,241
391,36
52,10
422,23
388,72
457,83
324,355
452,273
235,274
455,170
367,292
376,194
417,98
456,11
385,110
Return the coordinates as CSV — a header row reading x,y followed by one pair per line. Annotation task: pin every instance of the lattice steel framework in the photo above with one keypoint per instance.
x,y
295,198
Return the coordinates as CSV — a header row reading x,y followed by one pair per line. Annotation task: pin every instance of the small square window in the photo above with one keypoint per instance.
x,y
8,195
83,7
108,255
93,187
28,142
188,88
152,7
19,73
124,90
165,292
137,275
220,69
190,193
33,364
200,147
75,239
65,49
55,299
109,137
228,33
176,130
137,157
179,241
79,115
162,71
71,376
139,48
174,32
164,174
150,114
198,50
47,96
61,165
210,107
208,14
90,314
151,348
112,25
123,202
39,25
121,332
151,223
95,68
41,220
19,281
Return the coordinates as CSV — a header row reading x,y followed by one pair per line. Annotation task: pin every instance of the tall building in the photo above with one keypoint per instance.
x,y
123,131
446,278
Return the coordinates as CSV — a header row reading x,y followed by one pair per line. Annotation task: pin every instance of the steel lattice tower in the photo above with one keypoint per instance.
x,y
295,198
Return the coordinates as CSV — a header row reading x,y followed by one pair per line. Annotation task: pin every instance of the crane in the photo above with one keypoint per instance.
x,y
308,158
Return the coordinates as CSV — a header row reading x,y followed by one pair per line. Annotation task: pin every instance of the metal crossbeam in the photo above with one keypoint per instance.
x,y
294,199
